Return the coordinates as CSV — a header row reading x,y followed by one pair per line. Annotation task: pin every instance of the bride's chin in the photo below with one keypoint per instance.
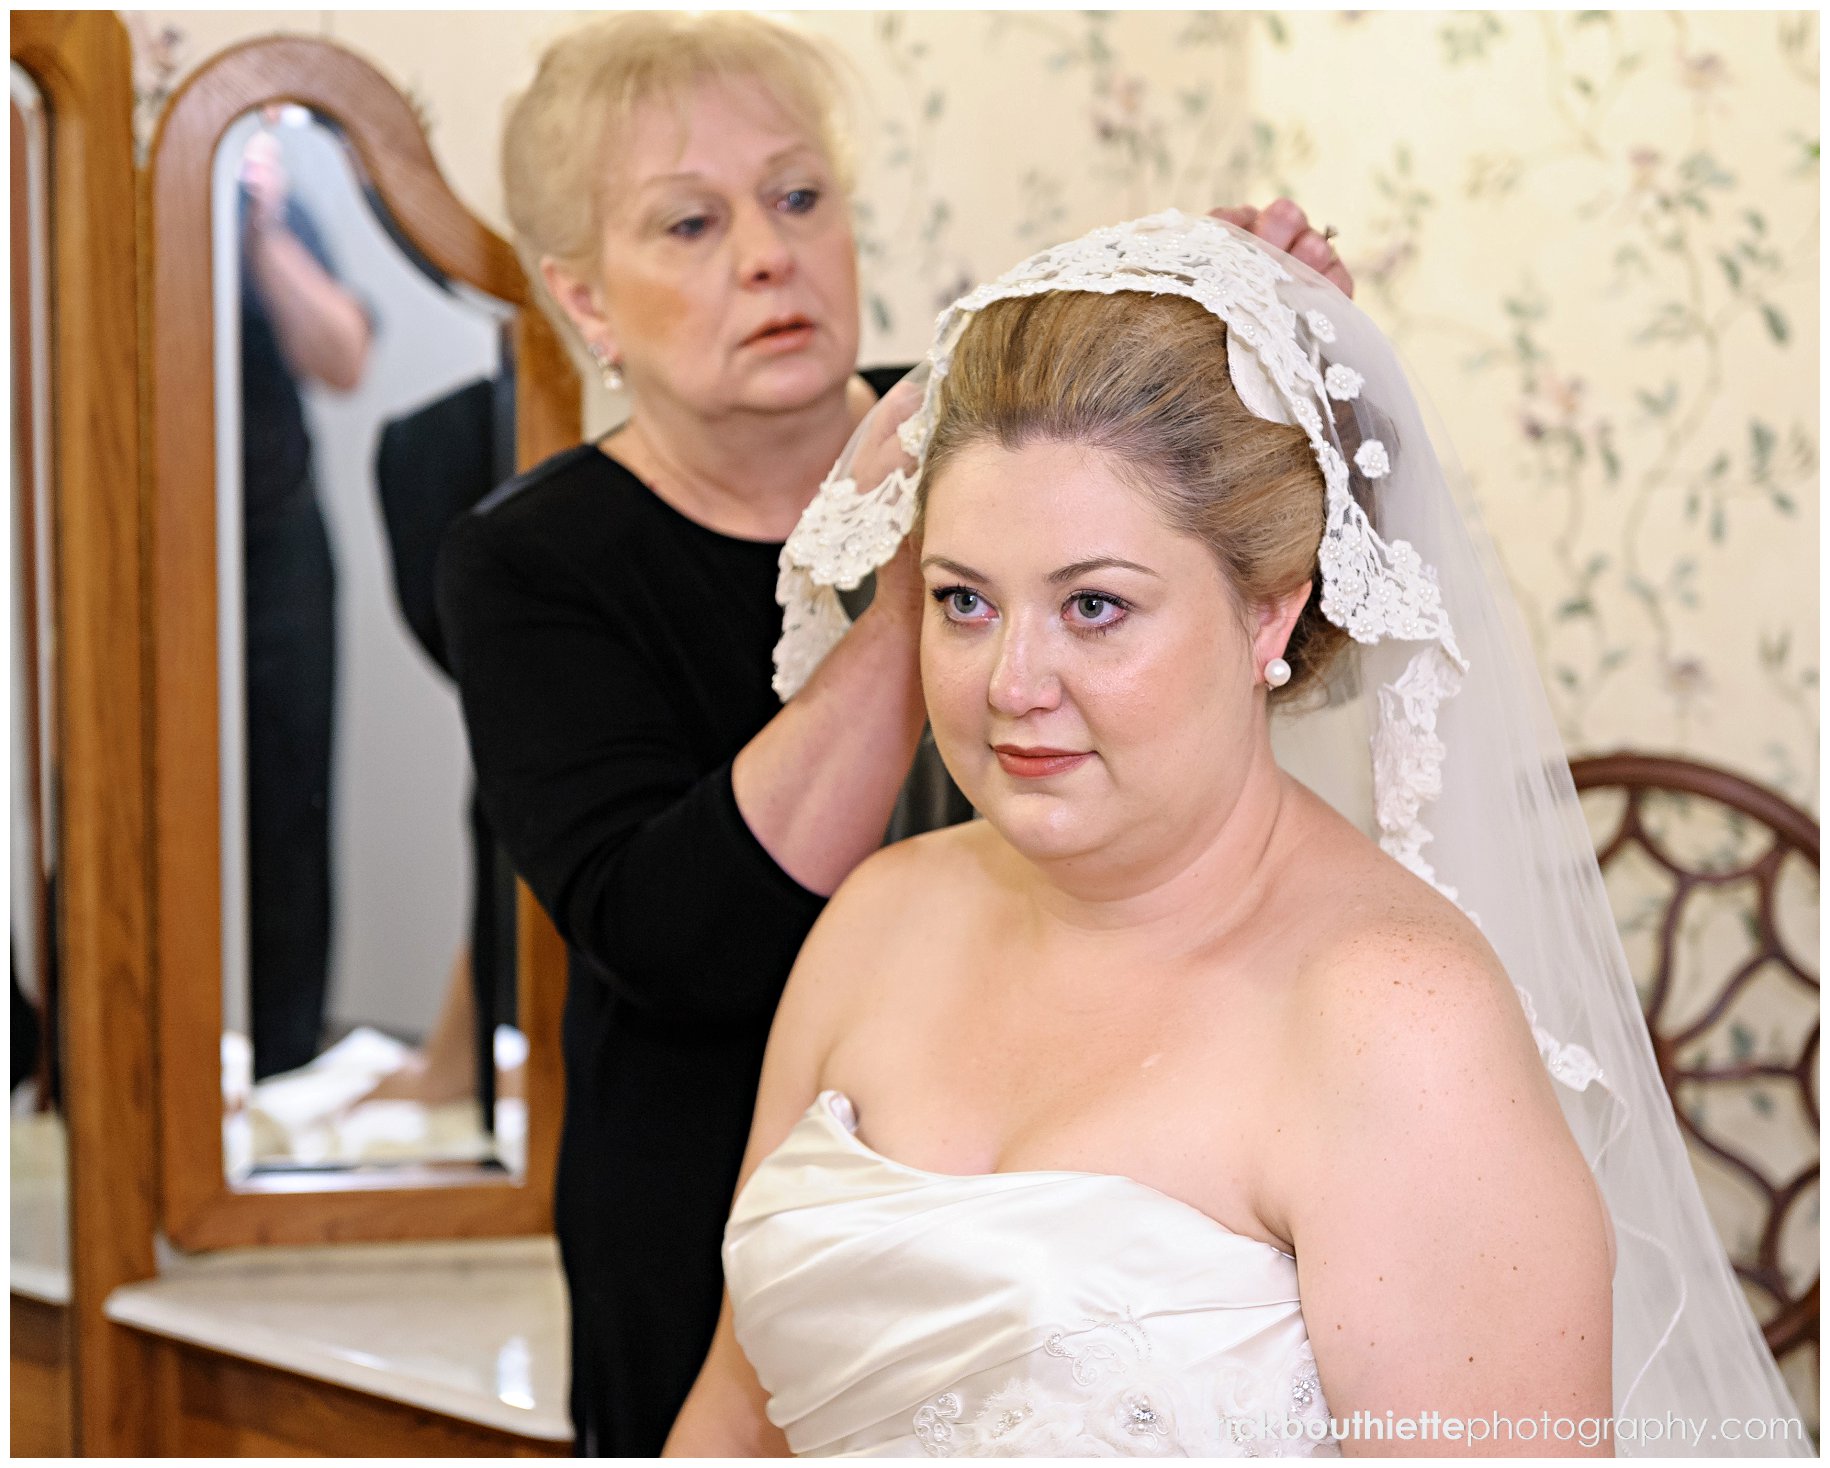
x,y
1057,834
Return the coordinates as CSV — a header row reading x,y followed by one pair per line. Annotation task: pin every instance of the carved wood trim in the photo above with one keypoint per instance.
x,y
43,1410
221,1406
83,66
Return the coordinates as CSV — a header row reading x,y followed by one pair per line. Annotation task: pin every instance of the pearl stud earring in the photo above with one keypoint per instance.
x,y
1277,672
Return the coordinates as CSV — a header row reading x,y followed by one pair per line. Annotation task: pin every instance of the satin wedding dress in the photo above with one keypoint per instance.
x,y
894,1312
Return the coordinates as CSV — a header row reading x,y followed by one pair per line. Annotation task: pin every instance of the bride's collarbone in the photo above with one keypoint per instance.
x,y
975,1054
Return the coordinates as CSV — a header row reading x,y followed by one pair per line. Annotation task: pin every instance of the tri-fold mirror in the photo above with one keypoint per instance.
x,y
363,896
356,1034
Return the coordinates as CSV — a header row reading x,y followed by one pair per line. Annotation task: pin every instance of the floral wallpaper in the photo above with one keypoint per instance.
x,y
1592,234
1605,273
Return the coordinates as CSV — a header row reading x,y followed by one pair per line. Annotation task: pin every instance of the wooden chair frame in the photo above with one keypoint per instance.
x,y
202,1209
1795,1323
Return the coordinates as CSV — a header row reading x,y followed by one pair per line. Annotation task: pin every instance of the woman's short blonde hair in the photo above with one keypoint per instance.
x,y
565,130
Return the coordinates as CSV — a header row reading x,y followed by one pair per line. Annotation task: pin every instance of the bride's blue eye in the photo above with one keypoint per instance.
x,y
960,603
801,201
1094,611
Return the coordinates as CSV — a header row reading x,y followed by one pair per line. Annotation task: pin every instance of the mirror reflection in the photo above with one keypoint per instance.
x,y
363,402
39,1212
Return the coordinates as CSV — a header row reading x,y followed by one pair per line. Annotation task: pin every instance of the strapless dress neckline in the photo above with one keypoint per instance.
x,y
840,1112
891,1310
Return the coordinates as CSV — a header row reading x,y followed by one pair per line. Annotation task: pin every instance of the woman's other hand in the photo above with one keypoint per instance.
x,y
1282,223
857,721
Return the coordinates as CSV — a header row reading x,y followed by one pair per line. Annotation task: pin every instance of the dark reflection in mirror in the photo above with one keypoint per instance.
x,y
38,1193
364,403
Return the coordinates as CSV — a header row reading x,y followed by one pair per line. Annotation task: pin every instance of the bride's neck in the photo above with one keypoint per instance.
x,y
1181,898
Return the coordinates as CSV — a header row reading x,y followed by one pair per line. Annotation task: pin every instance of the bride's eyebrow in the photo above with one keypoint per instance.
x,y
953,568
1101,563
1056,578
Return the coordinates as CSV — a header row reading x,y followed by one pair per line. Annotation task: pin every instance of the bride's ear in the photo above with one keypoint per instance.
x,y
1276,619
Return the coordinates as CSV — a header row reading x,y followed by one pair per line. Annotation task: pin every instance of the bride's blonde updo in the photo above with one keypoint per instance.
x,y
1144,378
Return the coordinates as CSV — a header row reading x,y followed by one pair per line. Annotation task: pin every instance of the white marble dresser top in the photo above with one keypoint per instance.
x,y
475,1330
39,1208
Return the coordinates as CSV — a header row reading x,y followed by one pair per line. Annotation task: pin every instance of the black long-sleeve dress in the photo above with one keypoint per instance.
x,y
613,657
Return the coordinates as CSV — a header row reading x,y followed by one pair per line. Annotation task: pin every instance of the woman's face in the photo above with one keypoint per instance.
x,y
1089,675
728,273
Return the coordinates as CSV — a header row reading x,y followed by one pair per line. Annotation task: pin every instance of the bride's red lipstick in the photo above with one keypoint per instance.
x,y
1034,763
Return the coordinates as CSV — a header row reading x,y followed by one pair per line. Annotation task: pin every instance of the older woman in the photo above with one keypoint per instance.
x,y
679,184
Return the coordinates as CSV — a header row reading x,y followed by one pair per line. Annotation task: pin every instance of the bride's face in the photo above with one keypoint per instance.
x,y
1088,672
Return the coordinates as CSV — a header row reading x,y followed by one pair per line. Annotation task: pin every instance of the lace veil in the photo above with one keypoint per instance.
x,y
1432,734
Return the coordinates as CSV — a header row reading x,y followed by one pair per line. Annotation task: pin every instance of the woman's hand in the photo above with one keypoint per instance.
x,y
881,451
1283,224
900,588
899,584
263,175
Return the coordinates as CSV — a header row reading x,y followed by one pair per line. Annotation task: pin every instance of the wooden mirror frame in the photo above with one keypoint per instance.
x,y
202,1208
83,66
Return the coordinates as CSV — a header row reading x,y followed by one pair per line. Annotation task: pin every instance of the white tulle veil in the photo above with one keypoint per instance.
x,y
1432,734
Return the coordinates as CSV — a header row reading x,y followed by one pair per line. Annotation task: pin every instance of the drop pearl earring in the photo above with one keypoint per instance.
x,y
608,370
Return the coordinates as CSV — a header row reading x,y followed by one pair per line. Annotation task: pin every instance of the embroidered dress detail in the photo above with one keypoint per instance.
x,y
1128,1409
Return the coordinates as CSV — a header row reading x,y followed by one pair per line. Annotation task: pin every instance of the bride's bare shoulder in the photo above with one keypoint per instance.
x,y
916,886
1400,993
898,910
914,876
1383,963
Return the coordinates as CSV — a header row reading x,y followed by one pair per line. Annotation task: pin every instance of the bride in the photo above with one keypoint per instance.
x,y
1182,1104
